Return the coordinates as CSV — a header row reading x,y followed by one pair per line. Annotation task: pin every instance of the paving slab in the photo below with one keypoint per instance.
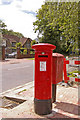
x,y
67,103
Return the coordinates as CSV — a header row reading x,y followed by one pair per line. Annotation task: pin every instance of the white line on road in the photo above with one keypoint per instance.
x,y
18,67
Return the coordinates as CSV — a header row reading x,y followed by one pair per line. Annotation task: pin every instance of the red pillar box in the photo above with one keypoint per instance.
x,y
43,84
57,72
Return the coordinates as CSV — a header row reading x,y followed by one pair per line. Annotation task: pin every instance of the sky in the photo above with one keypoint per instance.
x,y
19,15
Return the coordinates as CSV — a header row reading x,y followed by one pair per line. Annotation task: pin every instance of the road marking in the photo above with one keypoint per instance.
x,y
18,67
18,87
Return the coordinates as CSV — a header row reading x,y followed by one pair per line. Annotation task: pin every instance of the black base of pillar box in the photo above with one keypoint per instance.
x,y
53,92
42,107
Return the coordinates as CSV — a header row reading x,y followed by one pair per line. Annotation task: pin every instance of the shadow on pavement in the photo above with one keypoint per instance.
x,y
68,107
39,119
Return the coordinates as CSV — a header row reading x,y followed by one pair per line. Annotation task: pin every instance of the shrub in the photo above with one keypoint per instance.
x,y
25,52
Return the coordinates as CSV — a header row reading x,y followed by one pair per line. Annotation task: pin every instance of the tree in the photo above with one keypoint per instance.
x,y
3,30
33,42
57,22
18,45
11,32
2,25
0,38
79,26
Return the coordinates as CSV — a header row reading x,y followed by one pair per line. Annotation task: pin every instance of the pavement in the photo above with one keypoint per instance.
x,y
19,103
66,106
13,60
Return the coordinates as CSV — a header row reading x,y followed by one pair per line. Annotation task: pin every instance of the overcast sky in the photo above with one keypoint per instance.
x,y
19,15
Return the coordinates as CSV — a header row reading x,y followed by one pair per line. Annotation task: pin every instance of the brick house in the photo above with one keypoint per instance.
x,y
26,42
11,41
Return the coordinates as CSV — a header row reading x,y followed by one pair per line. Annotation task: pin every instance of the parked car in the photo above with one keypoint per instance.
x,y
12,55
6,55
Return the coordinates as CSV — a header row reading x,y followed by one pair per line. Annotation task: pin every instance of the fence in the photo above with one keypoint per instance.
x,y
28,55
70,62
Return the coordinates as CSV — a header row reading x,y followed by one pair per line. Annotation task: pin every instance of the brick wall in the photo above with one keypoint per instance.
x,y
20,56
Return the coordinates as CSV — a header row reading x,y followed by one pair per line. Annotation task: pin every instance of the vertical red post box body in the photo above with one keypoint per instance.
x,y
57,72
57,69
43,81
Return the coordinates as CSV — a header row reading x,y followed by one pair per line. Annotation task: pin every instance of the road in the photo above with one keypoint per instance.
x,y
16,74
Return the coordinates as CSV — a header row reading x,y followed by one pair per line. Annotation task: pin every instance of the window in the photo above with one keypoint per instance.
x,y
13,44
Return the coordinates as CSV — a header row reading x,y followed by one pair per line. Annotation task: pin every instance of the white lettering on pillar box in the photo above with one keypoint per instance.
x,y
42,65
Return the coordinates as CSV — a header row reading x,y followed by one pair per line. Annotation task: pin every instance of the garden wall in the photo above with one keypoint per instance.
x,y
20,56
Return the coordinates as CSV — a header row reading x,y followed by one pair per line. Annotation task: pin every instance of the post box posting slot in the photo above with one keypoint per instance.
x,y
42,55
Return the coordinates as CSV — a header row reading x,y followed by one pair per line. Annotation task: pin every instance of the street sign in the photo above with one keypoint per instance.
x,y
4,43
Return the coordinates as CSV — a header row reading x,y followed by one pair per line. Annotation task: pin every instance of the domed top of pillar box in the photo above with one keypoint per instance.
x,y
43,46
57,55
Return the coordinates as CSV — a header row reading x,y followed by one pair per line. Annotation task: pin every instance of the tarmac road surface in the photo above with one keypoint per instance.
x,y
16,73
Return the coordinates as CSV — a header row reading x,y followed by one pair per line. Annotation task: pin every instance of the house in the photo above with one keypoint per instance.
x,y
11,41
26,42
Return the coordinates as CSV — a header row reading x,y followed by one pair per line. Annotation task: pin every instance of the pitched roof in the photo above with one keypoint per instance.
x,y
12,38
24,39
16,39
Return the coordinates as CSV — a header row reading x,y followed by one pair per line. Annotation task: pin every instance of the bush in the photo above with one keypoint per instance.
x,y
70,74
25,52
